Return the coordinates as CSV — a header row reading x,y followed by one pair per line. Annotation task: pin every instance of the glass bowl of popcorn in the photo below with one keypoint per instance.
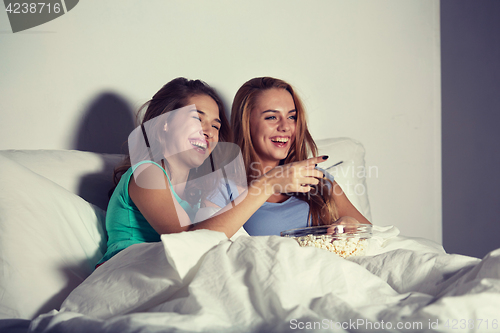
x,y
345,240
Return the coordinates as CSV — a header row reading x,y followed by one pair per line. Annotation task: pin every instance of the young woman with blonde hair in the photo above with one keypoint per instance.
x,y
270,127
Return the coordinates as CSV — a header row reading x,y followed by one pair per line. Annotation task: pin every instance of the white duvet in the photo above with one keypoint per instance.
x,y
202,282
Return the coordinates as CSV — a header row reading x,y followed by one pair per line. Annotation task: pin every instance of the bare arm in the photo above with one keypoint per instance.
x,y
165,215
345,208
151,193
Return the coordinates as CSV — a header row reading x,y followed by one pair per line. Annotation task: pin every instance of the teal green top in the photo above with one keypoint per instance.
x,y
125,224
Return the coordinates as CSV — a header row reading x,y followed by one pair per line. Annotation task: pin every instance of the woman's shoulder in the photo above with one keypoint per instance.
x,y
149,175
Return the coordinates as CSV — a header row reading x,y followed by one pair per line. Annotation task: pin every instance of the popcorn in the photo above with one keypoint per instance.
x,y
344,247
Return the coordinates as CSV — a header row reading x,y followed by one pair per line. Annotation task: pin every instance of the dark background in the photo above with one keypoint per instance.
x,y
470,64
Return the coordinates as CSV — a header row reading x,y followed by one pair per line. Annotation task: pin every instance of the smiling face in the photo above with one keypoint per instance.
x,y
192,132
273,121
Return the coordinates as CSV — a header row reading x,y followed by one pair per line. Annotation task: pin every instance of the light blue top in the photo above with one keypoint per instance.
x,y
271,218
125,224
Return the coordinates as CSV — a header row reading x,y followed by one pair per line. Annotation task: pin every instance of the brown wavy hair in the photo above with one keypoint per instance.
x,y
174,95
322,207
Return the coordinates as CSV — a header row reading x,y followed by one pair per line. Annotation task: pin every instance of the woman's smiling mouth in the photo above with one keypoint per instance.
x,y
280,141
199,145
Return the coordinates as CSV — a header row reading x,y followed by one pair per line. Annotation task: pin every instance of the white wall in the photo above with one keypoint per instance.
x,y
368,69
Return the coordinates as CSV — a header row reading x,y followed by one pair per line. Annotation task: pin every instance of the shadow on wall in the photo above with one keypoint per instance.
x,y
95,187
104,129
105,126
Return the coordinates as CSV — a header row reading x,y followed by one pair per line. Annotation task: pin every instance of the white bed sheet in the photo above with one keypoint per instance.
x,y
201,282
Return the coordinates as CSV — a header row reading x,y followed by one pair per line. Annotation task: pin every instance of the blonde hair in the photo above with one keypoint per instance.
x,y
322,207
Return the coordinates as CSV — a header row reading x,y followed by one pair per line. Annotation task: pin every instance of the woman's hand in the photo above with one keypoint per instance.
x,y
294,177
344,225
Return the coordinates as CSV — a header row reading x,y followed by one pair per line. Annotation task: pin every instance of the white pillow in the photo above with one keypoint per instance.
x,y
87,174
50,240
351,174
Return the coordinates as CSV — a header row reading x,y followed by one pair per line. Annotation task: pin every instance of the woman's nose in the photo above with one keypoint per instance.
x,y
283,125
207,132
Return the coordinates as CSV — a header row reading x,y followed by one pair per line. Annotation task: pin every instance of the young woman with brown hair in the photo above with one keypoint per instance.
x,y
153,194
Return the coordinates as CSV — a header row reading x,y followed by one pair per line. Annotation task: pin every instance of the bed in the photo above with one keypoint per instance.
x,y
52,210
